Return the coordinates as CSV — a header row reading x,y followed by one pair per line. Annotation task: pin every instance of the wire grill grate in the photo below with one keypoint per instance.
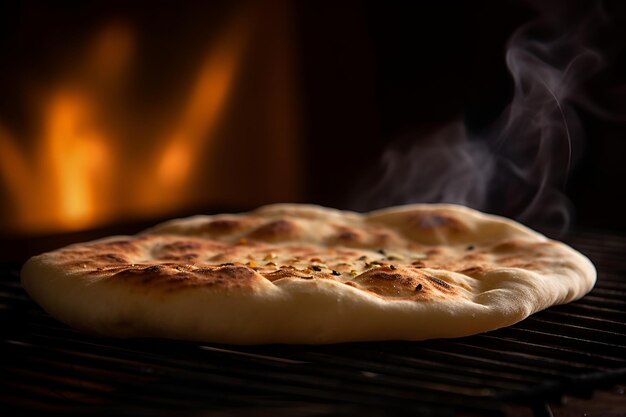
x,y
49,368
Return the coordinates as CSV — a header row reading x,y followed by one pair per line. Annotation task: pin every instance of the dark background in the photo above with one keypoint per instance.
x,y
397,69
368,73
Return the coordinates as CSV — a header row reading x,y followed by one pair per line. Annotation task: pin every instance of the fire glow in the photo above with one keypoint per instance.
x,y
76,174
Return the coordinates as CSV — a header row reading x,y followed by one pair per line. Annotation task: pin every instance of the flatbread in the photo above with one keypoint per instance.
x,y
293,273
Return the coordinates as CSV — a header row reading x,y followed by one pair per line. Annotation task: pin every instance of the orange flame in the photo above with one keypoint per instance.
x,y
76,158
201,114
69,180
55,185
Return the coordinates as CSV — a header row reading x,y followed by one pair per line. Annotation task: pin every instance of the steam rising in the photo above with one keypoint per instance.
x,y
520,165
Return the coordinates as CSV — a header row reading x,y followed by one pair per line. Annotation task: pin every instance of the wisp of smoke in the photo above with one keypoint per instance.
x,y
519,167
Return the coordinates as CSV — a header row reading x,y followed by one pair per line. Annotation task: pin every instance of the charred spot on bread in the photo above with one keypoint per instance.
x,y
174,278
172,248
472,270
118,244
110,258
382,238
184,250
139,274
234,272
387,284
181,246
180,258
152,269
439,282
404,284
115,248
287,272
348,235
275,230
223,226
513,245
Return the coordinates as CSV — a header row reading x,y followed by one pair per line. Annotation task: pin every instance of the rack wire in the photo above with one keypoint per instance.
x,y
50,369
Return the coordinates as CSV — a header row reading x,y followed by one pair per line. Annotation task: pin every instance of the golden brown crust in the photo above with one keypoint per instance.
x,y
432,261
171,262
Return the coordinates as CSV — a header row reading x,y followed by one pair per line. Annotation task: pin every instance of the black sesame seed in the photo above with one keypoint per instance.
x,y
392,267
418,287
335,272
153,268
381,251
392,258
362,258
471,247
316,268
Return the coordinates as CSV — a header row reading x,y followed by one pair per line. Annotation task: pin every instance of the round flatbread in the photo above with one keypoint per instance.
x,y
292,273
